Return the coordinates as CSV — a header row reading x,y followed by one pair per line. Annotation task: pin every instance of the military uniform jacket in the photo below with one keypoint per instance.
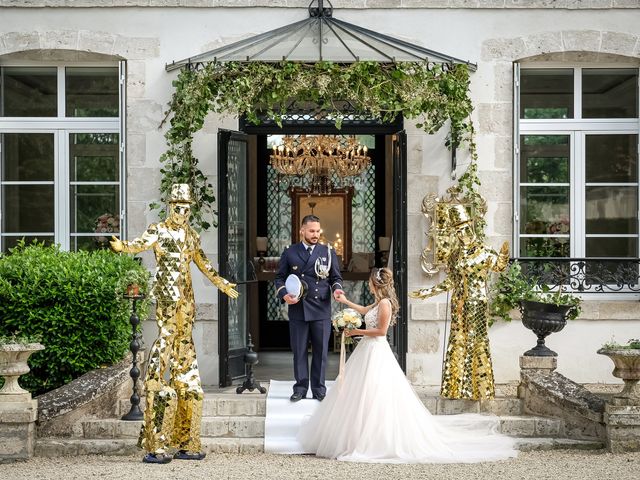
x,y
316,304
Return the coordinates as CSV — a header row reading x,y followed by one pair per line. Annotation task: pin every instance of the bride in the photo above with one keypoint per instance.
x,y
372,413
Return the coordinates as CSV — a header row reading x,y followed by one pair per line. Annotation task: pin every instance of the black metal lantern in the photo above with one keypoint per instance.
x,y
543,319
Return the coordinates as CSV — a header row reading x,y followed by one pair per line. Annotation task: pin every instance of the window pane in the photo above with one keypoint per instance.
x,y
612,247
11,241
609,93
29,208
546,93
544,159
612,210
92,92
89,243
611,158
95,209
27,157
544,247
544,210
29,92
94,157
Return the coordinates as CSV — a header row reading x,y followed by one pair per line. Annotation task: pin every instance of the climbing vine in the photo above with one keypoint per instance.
x,y
432,94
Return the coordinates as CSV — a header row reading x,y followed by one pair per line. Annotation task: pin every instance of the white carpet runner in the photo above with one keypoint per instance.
x,y
284,417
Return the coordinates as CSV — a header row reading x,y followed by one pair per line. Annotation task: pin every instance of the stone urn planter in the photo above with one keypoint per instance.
x,y
543,319
627,367
13,364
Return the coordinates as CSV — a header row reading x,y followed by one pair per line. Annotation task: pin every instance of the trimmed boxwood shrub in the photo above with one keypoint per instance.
x,y
73,302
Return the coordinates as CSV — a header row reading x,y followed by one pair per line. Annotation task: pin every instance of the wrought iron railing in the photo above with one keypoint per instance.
x,y
585,275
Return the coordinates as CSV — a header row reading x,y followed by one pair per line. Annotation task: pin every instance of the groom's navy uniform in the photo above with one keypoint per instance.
x,y
310,318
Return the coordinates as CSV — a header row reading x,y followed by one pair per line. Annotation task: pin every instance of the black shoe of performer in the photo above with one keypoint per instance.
x,y
156,458
185,455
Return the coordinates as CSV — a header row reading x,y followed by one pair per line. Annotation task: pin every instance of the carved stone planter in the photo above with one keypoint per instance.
x,y
627,367
13,364
18,411
622,412
543,319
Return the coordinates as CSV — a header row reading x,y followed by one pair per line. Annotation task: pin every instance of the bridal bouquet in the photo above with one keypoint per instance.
x,y
347,318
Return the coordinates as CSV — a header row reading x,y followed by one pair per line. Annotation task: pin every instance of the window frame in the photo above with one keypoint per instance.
x,y
578,129
61,127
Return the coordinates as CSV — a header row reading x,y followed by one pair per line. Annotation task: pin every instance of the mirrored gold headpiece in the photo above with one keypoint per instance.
x,y
458,215
180,193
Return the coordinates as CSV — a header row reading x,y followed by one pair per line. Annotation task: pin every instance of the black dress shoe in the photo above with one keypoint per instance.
x,y
319,396
184,455
297,396
156,458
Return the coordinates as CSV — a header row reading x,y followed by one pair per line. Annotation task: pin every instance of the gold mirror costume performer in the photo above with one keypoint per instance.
x,y
173,410
467,372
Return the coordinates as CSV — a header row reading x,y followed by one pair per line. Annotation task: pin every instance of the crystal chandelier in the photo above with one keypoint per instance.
x,y
318,158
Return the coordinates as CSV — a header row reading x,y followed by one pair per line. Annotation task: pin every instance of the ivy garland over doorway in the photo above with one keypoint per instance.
x,y
431,93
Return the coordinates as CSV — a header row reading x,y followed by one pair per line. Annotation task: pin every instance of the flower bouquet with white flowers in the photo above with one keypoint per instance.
x,y
349,319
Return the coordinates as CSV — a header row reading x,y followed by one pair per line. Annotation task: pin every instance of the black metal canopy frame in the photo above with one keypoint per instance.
x,y
321,37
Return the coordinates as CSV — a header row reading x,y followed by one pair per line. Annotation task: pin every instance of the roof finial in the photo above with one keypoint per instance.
x,y
320,10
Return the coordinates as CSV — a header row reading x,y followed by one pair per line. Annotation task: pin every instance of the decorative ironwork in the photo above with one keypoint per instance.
x,y
236,231
585,275
134,412
301,115
321,37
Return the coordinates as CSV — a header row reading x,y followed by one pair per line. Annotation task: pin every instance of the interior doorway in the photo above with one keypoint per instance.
x,y
369,216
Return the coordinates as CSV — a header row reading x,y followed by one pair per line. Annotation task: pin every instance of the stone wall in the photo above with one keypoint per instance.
x,y
338,4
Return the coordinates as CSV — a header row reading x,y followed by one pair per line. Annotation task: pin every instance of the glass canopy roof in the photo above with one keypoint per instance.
x,y
321,37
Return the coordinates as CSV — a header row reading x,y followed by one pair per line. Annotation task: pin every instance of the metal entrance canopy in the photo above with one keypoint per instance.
x,y
321,37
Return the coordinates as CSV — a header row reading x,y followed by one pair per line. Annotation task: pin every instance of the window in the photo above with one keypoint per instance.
x,y
62,155
576,162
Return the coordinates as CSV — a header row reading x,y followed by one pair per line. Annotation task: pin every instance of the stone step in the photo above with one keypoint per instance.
x,y
54,447
536,443
253,427
531,426
497,406
212,427
230,404
219,405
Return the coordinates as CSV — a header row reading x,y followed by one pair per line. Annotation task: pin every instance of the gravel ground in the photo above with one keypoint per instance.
x,y
552,465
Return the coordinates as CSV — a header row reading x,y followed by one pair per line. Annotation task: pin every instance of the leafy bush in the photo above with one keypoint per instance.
x,y
71,301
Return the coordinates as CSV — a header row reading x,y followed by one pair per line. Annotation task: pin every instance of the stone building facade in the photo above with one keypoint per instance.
x,y
139,37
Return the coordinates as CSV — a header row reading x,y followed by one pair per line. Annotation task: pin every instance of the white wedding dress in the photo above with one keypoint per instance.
x,y
374,415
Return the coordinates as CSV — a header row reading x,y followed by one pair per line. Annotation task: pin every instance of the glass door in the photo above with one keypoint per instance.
x,y
398,336
233,253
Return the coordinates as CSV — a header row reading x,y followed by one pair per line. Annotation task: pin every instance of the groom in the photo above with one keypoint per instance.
x,y
316,266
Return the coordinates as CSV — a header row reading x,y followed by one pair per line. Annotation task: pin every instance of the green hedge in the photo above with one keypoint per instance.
x,y
73,302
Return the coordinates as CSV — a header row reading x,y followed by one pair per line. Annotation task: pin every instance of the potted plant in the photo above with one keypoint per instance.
x,y
133,283
626,360
544,310
15,350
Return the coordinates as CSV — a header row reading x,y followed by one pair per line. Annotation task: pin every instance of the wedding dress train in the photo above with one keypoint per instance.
x,y
373,415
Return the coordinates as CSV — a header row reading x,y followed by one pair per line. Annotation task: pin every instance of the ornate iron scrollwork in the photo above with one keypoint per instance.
x,y
585,275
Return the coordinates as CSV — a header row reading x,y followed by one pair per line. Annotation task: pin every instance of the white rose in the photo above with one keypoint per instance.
x,y
341,322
